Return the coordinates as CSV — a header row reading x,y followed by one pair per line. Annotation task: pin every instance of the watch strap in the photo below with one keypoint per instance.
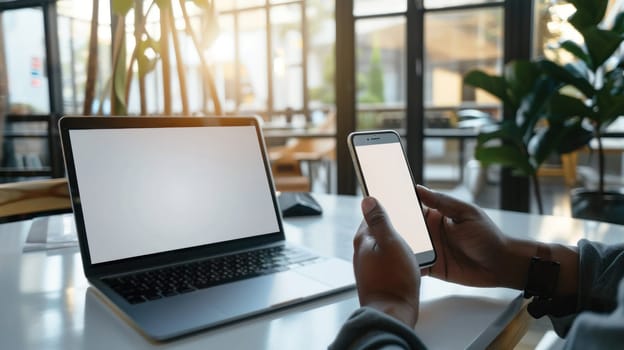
x,y
542,279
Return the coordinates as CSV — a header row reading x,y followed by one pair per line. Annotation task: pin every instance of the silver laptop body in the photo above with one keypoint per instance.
x,y
152,194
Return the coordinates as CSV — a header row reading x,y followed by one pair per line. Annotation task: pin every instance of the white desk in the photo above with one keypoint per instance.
x,y
46,302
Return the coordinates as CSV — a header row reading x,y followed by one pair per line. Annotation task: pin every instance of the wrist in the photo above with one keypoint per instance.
x,y
515,264
517,259
568,257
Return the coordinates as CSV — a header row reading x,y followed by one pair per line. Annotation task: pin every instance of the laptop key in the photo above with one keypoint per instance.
x,y
173,280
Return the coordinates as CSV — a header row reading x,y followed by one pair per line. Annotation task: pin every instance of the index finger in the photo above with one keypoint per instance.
x,y
450,207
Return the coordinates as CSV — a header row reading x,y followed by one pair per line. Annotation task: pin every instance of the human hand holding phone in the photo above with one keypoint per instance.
x,y
384,173
386,271
471,248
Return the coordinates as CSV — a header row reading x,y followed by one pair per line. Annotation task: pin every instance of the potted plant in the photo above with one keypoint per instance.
x,y
591,96
519,142
149,50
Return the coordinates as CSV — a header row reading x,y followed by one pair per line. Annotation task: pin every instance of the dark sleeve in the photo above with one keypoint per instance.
x,y
601,268
593,330
368,328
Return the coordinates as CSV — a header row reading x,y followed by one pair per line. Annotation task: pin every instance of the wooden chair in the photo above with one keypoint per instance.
x,y
23,200
288,176
308,151
567,170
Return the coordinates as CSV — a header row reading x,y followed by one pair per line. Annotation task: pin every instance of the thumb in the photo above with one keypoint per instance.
x,y
376,218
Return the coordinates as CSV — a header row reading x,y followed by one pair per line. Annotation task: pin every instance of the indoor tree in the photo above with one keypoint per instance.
x,y
150,50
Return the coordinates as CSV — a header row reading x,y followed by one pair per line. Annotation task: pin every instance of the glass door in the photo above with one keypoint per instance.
x,y
26,115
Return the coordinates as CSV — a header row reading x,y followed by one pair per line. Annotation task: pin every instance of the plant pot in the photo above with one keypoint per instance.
x,y
592,205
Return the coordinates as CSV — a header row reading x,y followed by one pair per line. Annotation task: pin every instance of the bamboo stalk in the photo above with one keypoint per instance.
x,y
91,60
139,29
164,56
179,65
130,75
117,45
140,20
102,95
204,65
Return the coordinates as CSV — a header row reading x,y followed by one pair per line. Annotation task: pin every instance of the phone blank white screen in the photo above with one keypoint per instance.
x,y
151,190
387,178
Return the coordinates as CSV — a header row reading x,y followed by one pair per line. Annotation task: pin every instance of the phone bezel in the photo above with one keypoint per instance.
x,y
360,138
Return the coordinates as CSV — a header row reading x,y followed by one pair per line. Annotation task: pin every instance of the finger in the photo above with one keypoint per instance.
x,y
453,208
359,234
376,218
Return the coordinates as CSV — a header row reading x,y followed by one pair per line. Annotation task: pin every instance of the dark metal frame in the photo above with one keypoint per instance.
x,y
55,87
514,190
345,94
517,30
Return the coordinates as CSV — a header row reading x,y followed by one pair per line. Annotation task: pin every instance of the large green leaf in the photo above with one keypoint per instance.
x,y
545,142
505,131
614,81
562,107
121,7
568,74
520,77
146,63
495,85
601,44
533,105
577,51
505,155
609,107
618,24
573,137
588,13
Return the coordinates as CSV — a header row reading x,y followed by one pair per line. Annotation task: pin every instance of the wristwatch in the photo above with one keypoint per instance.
x,y
542,278
541,282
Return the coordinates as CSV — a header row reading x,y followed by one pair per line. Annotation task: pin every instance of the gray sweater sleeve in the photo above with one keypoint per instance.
x,y
597,322
601,269
368,328
599,331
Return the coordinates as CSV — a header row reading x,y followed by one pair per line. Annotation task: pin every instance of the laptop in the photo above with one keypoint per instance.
x,y
178,223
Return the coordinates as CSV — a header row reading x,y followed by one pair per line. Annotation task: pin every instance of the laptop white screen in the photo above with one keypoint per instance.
x,y
150,190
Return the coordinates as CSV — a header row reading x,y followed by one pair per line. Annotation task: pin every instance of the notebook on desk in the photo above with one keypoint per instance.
x,y
178,224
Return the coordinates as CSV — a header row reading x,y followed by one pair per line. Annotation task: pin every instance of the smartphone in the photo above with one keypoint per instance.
x,y
384,173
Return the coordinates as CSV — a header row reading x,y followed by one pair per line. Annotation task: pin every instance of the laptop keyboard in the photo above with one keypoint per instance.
x,y
173,280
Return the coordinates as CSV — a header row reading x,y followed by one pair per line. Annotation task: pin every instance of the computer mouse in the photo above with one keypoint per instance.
x,y
298,204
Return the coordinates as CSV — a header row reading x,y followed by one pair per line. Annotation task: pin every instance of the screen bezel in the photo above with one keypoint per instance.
x,y
365,138
68,123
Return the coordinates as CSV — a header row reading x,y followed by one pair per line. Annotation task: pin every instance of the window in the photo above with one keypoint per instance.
x,y
380,73
457,36
25,61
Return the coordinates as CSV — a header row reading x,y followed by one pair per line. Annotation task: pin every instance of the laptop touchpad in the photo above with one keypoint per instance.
x,y
269,291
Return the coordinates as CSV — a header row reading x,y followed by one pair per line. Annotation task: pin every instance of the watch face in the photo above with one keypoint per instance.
x,y
542,278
